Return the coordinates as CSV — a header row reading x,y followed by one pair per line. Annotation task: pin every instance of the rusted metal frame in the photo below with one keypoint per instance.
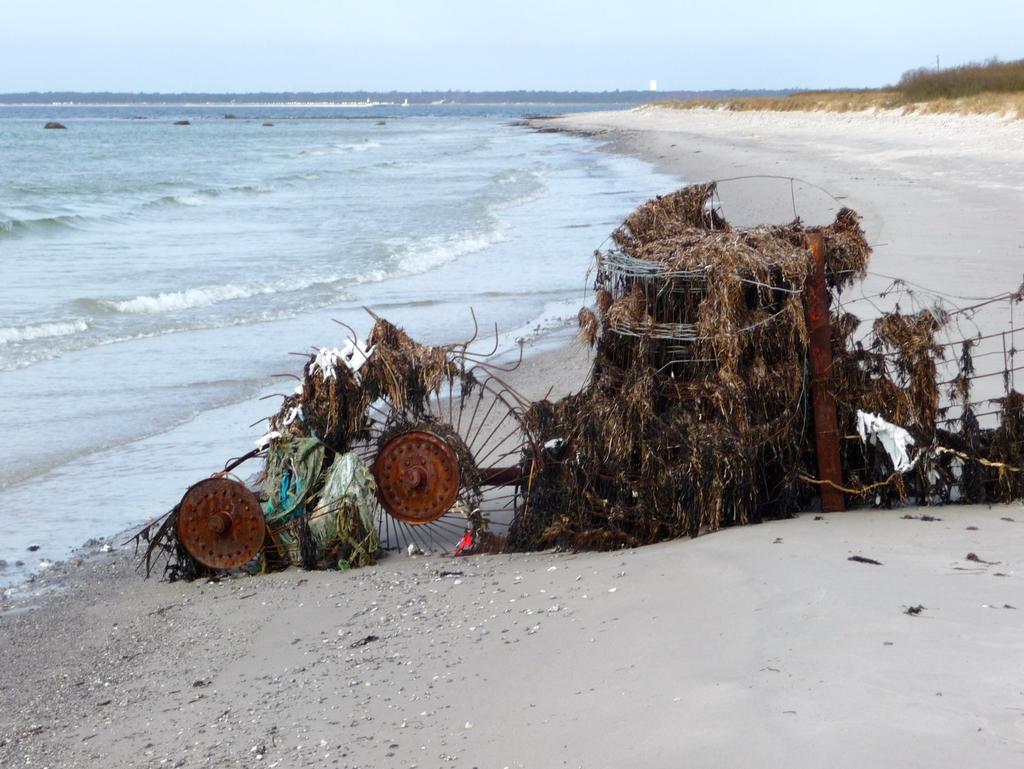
x,y
450,526
500,476
391,525
1012,352
1006,364
499,444
984,376
826,431
471,442
472,417
487,440
233,463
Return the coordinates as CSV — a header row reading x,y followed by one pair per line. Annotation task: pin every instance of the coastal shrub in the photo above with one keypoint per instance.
x,y
992,76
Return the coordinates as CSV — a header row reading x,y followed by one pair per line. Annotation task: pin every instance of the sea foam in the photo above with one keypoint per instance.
x,y
41,331
190,298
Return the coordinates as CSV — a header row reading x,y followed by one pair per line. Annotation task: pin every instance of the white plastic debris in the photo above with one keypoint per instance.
x,y
413,549
292,415
893,438
264,441
554,443
352,354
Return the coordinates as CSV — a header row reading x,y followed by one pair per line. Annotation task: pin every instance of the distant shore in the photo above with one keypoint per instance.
x,y
293,104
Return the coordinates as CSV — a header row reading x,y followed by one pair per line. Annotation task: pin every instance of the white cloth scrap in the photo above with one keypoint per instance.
x,y
893,438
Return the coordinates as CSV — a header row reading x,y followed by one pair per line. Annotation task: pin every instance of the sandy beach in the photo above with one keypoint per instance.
x,y
940,195
761,645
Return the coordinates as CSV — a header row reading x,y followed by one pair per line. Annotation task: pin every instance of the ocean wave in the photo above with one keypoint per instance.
x,y
341,148
181,199
42,331
405,256
412,256
41,354
172,301
43,224
196,198
254,189
15,227
511,188
206,296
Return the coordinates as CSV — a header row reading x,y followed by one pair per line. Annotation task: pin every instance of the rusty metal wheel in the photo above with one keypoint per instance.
x,y
462,464
220,523
418,477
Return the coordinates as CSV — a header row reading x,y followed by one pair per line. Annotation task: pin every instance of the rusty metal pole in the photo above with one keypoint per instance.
x,y
826,431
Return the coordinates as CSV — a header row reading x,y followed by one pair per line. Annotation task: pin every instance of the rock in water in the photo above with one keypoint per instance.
x,y
268,125
53,124
182,122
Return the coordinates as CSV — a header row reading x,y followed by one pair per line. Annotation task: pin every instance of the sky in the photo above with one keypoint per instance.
x,y
382,45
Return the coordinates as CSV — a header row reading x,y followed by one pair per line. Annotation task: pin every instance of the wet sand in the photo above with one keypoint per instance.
x,y
762,645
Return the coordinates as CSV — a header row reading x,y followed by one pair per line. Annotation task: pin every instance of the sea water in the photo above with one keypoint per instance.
x,y
155,277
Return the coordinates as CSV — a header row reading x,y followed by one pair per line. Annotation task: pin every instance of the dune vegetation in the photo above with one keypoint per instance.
x,y
992,87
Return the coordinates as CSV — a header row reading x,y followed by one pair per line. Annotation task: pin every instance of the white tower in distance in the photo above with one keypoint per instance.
x,y
654,85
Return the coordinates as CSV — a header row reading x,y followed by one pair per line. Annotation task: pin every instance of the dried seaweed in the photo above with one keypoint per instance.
x,y
342,407
695,415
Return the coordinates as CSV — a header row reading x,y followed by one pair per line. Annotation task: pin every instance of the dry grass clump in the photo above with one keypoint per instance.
x,y
1006,446
332,403
329,405
697,413
892,374
695,416
404,372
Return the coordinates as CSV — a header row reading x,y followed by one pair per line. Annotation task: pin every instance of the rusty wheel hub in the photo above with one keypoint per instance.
x,y
220,523
417,476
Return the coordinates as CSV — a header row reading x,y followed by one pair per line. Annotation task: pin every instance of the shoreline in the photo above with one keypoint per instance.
x,y
933,190
760,644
